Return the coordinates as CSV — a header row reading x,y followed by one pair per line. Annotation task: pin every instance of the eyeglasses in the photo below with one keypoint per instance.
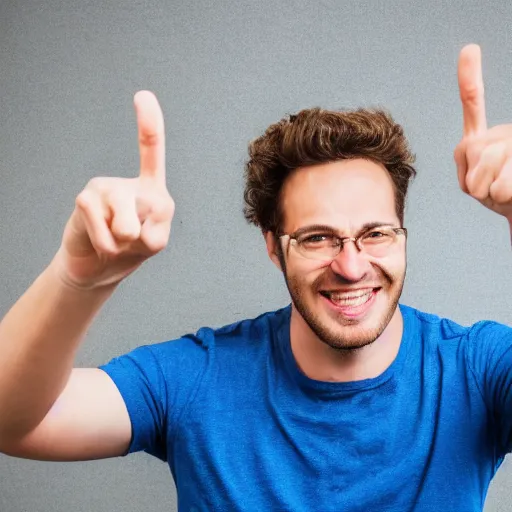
x,y
325,246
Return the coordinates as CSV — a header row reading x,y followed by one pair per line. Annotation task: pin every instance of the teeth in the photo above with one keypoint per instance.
x,y
350,300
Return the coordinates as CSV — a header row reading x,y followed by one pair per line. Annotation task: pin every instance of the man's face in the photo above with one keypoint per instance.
x,y
348,302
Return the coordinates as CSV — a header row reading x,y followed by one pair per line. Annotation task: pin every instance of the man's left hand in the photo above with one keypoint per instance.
x,y
483,156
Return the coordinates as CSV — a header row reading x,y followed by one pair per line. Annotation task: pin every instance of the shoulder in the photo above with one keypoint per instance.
x,y
482,338
181,363
432,325
248,333
253,331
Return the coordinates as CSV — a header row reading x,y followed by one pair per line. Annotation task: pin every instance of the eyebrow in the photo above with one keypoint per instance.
x,y
324,227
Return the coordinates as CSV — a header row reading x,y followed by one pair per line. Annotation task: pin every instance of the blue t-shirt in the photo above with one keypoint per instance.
x,y
243,429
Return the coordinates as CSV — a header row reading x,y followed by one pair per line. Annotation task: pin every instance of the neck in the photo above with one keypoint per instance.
x,y
321,362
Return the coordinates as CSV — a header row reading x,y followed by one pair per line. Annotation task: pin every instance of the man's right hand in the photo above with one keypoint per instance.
x,y
118,223
48,410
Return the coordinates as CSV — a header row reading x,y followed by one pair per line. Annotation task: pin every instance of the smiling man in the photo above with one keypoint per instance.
x,y
343,400
344,289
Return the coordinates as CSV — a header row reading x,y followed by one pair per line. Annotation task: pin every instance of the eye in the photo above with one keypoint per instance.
x,y
378,236
375,234
317,240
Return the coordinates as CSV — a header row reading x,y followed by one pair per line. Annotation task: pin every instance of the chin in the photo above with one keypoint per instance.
x,y
349,338
341,322
349,330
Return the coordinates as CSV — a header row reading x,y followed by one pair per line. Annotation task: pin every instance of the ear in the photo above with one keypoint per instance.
x,y
272,248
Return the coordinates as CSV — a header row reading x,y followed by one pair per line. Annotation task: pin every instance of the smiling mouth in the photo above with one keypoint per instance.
x,y
351,298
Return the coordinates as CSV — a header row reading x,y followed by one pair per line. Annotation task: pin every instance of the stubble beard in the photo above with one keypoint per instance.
x,y
347,336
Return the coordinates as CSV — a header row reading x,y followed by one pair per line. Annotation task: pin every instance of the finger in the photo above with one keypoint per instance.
x,y
156,229
95,216
150,121
480,178
471,88
155,235
501,190
125,225
459,156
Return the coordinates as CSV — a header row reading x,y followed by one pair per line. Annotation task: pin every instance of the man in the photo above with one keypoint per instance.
x,y
343,401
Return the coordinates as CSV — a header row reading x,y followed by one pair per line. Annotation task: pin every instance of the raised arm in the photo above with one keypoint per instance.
x,y
48,410
484,155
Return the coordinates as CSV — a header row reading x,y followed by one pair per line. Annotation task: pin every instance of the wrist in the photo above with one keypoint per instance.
x,y
57,269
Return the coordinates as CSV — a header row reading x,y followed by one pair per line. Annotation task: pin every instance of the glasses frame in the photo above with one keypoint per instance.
x,y
292,237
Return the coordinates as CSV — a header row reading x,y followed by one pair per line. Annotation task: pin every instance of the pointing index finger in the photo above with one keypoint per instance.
x,y
471,88
151,132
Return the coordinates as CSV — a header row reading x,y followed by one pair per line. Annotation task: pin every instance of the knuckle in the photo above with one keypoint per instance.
x,y
471,94
110,252
158,244
124,231
96,183
162,208
475,188
477,194
496,150
112,197
119,190
152,138
157,237
85,199
473,151
486,152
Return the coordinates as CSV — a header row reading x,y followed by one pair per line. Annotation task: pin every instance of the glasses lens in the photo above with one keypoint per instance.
x,y
378,242
318,247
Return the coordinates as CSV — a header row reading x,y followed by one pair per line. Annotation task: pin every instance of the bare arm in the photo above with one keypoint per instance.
x,y
88,421
38,341
47,409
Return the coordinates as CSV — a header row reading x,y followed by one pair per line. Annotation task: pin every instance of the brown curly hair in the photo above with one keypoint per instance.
x,y
315,136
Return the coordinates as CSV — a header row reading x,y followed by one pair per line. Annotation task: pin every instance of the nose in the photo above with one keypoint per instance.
x,y
350,263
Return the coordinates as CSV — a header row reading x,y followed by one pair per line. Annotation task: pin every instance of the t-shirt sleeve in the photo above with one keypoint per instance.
x,y
157,382
490,357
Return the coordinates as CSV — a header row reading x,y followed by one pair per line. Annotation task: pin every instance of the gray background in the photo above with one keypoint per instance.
x,y
223,71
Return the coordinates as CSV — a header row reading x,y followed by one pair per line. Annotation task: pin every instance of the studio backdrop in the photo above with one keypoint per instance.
x,y
223,71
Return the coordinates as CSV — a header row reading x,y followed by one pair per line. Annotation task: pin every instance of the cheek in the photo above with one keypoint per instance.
x,y
392,268
306,270
307,276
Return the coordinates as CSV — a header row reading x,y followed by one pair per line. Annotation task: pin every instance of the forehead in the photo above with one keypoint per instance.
x,y
345,194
